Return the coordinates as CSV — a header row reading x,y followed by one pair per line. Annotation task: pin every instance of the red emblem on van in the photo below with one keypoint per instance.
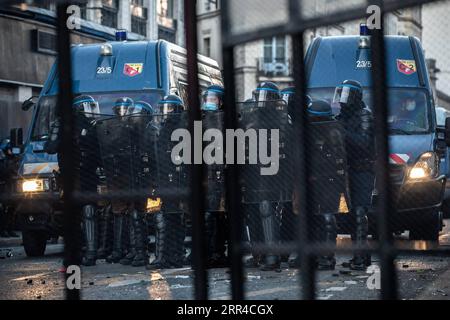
x,y
406,66
132,69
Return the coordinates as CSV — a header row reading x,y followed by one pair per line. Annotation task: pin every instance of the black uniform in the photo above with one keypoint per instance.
x,y
328,179
87,162
357,121
265,196
169,221
139,119
120,138
216,219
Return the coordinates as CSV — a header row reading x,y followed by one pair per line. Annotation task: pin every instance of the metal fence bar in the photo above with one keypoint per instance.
x,y
198,195
307,272
71,223
388,277
315,22
232,174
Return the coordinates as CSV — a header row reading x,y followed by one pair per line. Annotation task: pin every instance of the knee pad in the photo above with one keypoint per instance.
x,y
88,212
265,209
329,222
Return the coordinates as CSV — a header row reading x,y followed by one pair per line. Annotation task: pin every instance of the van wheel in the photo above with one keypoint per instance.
x,y
427,226
34,243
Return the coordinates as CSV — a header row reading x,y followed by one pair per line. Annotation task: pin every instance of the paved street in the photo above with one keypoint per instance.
x,y
420,277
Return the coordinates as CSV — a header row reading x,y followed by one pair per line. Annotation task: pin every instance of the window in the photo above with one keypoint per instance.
x,y
211,5
165,8
275,49
207,46
109,13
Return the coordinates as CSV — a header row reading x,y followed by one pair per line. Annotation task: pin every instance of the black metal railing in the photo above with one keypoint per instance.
x,y
296,27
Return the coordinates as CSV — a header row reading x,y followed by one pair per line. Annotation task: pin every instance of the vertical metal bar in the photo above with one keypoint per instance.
x,y
71,224
307,272
197,196
384,205
232,174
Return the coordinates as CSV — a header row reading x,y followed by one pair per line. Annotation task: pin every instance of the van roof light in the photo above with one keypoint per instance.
x,y
364,30
364,36
121,35
106,49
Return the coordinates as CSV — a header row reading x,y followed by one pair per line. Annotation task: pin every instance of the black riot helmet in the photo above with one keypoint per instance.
x,y
349,93
288,95
87,105
266,91
170,104
123,106
212,98
319,110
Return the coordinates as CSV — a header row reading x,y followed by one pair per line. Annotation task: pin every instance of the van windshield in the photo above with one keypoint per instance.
x,y
47,105
408,109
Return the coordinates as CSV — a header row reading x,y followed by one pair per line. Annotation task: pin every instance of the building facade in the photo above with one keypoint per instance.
x,y
28,42
271,59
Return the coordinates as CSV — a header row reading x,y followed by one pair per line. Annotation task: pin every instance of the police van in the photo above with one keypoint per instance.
x,y
140,70
416,144
441,115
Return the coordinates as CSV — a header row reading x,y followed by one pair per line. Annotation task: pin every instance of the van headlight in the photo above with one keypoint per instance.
x,y
426,167
35,185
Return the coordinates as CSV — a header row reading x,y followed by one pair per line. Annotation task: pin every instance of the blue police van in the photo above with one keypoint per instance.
x,y
141,70
416,143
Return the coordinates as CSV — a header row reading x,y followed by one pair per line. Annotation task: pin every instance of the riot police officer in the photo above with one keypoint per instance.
x,y
216,221
139,117
115,143
357,120
169,222
86,109
265,225
327,176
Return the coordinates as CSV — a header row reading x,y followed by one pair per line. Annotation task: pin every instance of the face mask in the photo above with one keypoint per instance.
x,y
410,106
209,106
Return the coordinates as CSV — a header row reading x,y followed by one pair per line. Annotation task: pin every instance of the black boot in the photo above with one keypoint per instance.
x,y
169,245
215,239
329,231
271,234
90,235
131,250
104,247
117,252
361,259
140,235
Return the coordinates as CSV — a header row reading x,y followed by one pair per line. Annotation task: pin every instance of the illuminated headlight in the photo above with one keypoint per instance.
x,y
153,205
426,167
35,185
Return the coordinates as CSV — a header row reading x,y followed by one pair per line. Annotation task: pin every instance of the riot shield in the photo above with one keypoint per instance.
x,y
254,121
167,174
328,166
86,154
214,173
115,136
143,149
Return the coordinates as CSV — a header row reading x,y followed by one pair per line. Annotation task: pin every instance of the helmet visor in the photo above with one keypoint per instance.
x,y
211,101
121,110
345,94
91,109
